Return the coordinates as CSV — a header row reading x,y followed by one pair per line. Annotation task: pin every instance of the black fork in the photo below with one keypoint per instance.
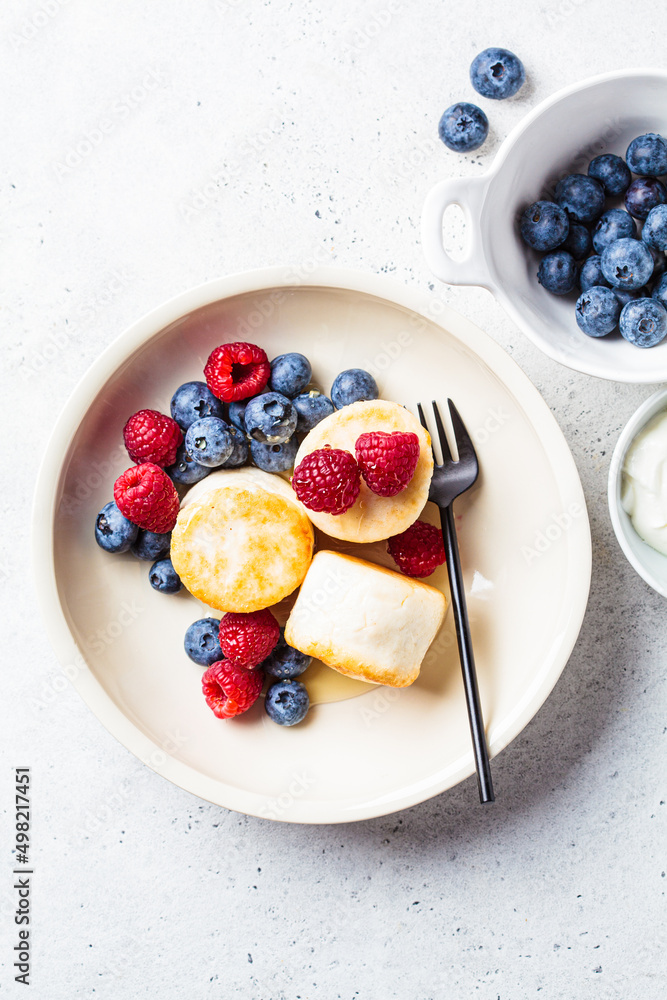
x,y
449,481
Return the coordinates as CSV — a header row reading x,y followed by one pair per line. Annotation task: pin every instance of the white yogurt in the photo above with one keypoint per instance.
x,y
644,484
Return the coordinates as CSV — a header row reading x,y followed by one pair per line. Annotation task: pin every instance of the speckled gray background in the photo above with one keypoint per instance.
x,y
309,130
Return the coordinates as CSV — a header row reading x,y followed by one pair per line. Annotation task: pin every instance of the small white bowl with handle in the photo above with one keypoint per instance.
x,y
561,136
649,563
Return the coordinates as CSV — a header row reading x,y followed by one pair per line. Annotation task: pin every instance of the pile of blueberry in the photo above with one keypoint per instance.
x,y
265,429
286,701
618,268
495,73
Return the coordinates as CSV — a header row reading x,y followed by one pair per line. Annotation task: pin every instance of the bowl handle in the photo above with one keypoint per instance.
x,y
469,194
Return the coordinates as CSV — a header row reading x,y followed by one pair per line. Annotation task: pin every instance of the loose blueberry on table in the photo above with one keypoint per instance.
x,y
463,127
497,74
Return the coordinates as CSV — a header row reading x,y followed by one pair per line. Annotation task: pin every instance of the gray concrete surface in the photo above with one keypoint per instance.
x,y
240,134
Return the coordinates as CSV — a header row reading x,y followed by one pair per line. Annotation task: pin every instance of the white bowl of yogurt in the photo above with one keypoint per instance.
x,y
638,491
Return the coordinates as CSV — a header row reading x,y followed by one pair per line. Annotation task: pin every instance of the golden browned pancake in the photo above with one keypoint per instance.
x,y
364,620
243,542
372,517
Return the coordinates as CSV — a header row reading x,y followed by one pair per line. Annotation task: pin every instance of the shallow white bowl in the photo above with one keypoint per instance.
x,y
523,533
651,565
559,136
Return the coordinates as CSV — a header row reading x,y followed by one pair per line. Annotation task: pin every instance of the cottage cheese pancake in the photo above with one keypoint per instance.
x,y
242,541
372,517
364,620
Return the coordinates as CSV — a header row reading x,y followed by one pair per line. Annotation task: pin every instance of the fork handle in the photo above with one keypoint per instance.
x,y
466,654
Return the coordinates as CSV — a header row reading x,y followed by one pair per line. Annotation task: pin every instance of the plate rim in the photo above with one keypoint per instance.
x,y
72,659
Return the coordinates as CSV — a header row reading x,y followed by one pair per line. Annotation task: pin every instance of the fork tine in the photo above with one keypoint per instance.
x,y
422,418
444,444
464,443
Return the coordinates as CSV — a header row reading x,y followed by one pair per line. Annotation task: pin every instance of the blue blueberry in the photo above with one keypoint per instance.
x,y
577,242
625,296
113,532
185,470
285,661
597,311
613,225
581,197
660,291
544,225
287,702
202,642
209,441
557,272
237,413
659,264
274,457
311,407
627,264
351,386
644,322
647,154
612,172
591,273
463,127
163,577
151,545
290,374
270,418
497,74
644,194
654,233
239,455
193,401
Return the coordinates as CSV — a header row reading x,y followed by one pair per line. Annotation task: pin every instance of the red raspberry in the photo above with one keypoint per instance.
x,y
419,550
387,461
247,639
150,436
146,496
229,690
236,371
327,480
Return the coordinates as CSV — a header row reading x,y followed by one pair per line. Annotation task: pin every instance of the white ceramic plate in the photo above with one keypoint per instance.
x,y
560,136
523,531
